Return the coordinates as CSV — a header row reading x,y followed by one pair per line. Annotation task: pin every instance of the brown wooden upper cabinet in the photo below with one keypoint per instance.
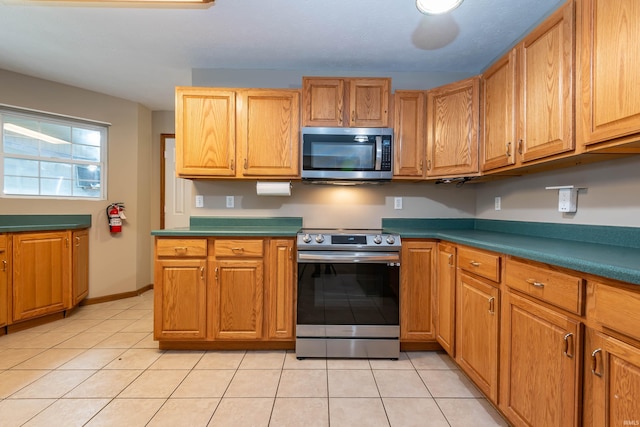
x,y
608,89
453,115
528,96
408,130
237,133
345,102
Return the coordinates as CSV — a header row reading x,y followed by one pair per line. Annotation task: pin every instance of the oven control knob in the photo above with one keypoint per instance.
x,y
319,238
377,240
391,240
306,238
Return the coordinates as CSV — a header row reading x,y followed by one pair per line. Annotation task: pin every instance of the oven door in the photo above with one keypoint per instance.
x,y
347,293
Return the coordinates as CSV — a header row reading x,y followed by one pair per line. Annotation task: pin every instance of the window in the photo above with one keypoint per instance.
x,y
50,156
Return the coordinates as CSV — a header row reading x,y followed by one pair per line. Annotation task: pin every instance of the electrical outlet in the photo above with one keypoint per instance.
x,y
397,203
567,199
230,201
498,203
199,201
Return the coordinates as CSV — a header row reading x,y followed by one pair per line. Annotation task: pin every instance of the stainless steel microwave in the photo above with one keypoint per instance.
x,y
358,154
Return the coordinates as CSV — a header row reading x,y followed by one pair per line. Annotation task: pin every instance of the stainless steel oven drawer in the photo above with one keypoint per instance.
x,y
348,348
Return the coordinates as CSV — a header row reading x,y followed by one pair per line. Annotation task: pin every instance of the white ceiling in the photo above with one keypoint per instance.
x,y
142,53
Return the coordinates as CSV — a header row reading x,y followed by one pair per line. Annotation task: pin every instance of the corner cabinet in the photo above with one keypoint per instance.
x,y
41,271
244,133
608,82
345,102
417,276
453,116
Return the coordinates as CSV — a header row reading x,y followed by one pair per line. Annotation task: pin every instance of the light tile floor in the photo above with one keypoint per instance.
x,y
101,367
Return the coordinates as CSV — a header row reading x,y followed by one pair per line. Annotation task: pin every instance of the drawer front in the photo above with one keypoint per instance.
x,y
482,263
558,288
181,247
615,308
238,248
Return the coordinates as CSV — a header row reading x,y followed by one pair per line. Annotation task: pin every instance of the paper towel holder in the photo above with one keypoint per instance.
x,y
273,188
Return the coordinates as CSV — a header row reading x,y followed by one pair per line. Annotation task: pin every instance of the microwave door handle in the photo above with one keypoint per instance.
x,y
378,153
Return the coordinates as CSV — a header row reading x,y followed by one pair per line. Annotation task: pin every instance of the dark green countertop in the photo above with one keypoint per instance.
x,y
611,252
236,226
17,223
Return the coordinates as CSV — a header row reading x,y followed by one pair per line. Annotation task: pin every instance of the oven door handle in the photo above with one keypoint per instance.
x,y
349,257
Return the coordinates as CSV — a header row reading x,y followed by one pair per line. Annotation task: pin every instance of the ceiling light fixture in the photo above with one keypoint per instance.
x,y
437,7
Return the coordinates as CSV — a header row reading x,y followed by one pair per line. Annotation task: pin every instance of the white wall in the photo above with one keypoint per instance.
x,y
612,196
117,264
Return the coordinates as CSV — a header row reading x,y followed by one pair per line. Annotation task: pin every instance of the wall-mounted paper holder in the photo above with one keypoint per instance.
x,y
270,188
567,197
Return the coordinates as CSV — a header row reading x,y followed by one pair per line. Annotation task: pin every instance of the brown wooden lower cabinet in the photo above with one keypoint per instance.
x,y
224,290
417,276
540,364
4,280
445,296
477,325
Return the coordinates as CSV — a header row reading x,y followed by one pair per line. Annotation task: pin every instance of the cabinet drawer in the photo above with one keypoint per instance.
x,y
560,289
238,248
181,247
615,308
482,263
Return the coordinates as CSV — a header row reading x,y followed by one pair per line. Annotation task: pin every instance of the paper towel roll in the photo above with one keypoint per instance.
x,y
273,188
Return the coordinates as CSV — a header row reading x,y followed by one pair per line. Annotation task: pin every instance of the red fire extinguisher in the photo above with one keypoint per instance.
x,y
115,214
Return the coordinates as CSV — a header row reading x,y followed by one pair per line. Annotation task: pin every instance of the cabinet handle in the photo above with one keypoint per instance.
x,y
4,265
475,263
216,271
566,345
450,260
77,239
231,164
492,305
429,164
508,149
520,146
66,242
594,362
245,164
535,283
237,250
180,250
201,273
290,253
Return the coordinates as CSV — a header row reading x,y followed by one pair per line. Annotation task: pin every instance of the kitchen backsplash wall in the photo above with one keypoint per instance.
x,y
611,197
338,206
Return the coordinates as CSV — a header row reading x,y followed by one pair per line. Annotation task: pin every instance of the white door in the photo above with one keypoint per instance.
x,y
177,191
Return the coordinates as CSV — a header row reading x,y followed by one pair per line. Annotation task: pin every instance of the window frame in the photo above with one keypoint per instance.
x,y
55,119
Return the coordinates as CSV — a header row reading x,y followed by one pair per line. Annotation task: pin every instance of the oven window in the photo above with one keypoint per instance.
x,y
348,294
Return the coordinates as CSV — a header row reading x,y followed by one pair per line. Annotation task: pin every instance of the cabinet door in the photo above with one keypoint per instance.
x,y
268,132
205,132
452,129
541,350
281,290
369,102
477,323
41,274
545,114
409,134
323,102
180,299
4,280
417,275
608,95
238,300
612,382
499,141
80,275
445,296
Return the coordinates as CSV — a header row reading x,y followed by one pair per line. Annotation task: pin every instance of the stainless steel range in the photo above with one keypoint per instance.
x,y
348,294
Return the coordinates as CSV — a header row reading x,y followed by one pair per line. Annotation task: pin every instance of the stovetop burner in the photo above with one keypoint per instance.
x,y
347,239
